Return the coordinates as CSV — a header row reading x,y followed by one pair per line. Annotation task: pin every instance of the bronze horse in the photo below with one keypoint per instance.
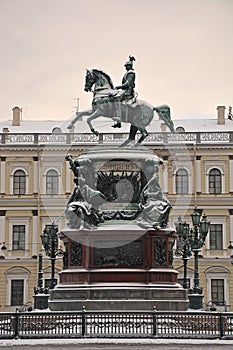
x,y
138,113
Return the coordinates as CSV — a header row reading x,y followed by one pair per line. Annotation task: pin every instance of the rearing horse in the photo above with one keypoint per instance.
x,y
105,101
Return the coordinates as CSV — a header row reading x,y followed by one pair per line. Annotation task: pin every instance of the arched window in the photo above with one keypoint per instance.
x,y
180,129
182,181
215,181
52,182
56,130
19,182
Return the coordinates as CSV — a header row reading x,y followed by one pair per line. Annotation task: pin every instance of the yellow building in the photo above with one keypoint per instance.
x,y
36,182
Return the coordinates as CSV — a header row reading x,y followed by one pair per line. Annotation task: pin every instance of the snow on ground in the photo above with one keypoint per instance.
x,y
17,342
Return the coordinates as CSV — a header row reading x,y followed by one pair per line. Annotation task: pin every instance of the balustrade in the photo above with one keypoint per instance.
x,y
114,138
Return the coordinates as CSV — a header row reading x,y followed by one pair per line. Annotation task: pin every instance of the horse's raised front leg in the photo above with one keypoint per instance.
x,y
94,115
78,115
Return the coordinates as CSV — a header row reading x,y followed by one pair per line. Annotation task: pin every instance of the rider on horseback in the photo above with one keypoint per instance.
x,y
128,85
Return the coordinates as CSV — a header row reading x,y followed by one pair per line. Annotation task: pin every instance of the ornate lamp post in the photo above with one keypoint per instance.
x,y
183,247
41,294
50,243
193,239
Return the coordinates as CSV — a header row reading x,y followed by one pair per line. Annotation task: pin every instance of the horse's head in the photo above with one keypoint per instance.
x,y
89,81
99,78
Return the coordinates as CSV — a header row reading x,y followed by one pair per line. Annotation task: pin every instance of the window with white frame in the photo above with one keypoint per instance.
x,y
18,236
19,182
218,286
52,182
182,185
215,181
17,286
216,242
18,239
217,291
17,292
216,236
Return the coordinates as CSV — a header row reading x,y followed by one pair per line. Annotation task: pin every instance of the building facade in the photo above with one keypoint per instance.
x,y
36,183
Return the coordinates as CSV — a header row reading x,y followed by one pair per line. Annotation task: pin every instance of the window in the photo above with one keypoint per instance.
x,y
17,292
180,129
217,291
181,181
18,237
19,182
52,182
56,130
216,236
215,181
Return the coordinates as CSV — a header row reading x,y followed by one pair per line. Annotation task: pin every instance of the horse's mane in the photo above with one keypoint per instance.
x,y
105,75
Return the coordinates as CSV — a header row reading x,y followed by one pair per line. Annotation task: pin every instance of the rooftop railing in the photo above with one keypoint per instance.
x,y
114,138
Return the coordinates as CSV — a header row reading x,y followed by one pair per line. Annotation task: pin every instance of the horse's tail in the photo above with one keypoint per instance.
x,y
165,114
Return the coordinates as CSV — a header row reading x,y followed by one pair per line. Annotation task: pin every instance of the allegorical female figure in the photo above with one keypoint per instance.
x,y
155,207
82,209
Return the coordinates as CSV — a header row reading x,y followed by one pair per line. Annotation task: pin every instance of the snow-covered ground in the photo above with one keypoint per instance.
x,y
214,342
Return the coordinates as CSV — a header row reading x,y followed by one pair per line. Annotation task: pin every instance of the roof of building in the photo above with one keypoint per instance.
x,y
103,125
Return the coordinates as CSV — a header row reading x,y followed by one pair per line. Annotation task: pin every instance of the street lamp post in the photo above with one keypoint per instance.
x,y
183,248
50,243
41,294
40,272
194,239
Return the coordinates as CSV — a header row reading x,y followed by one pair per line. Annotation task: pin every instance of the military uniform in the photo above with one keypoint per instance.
x,y
127,94
128,85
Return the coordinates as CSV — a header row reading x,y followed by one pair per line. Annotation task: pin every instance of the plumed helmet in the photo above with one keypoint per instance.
x,y
130,61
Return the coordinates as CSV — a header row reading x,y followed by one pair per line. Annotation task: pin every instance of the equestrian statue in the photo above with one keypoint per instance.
x,y
120,104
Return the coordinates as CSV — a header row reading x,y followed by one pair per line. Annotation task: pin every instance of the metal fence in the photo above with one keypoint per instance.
x,y
87,324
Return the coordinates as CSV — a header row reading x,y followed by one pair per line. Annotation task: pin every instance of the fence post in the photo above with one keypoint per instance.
x,y
16,324
221,326
154,322
84,322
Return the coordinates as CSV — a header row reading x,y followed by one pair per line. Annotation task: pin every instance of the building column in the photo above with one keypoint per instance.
x,y
2,230
35,175
3,175
198,174
231,228
231,174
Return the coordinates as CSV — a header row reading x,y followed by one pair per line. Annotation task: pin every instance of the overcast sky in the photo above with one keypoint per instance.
x,y
183,51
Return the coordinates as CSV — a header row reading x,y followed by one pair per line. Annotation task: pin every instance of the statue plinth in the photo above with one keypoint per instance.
x,y
118,267
119,247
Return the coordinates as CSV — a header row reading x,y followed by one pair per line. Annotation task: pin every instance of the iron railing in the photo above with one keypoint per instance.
x,y
87,324
114,138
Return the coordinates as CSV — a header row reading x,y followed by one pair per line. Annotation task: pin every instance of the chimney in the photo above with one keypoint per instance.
x,y
16,116
163,127
221,114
